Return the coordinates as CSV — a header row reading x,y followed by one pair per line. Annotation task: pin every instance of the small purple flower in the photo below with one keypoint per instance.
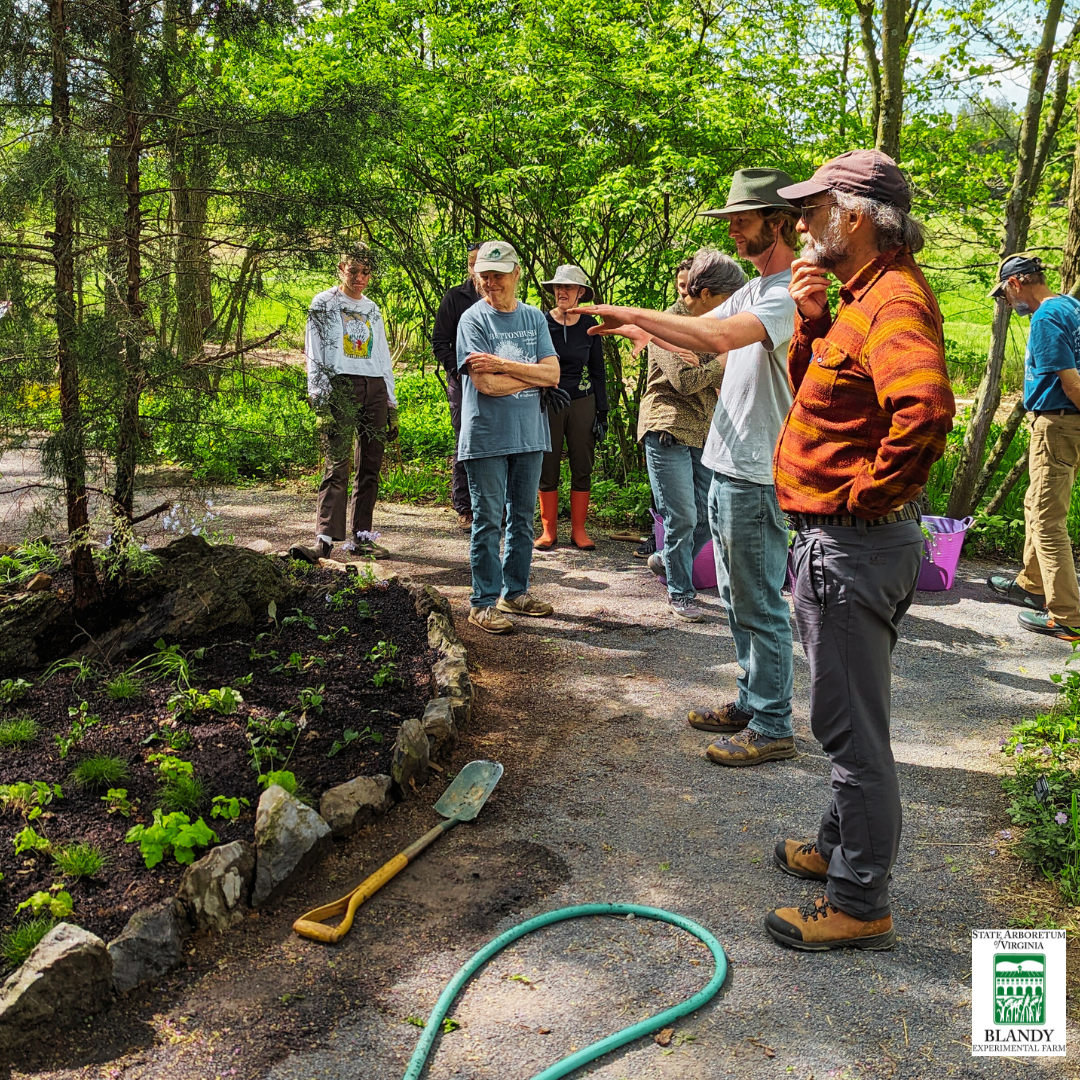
x,y
1061,817
1003,740
993,851
1019,748
1074,742
1046,751
1005,834
365,535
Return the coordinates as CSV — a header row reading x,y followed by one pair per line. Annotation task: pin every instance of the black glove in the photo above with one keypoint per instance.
x,y
599,425
554,398
666,439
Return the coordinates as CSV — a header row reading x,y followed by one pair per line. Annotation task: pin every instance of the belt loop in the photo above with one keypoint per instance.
x,y
860,524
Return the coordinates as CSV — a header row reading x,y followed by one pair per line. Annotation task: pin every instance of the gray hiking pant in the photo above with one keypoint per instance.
x,y
852,588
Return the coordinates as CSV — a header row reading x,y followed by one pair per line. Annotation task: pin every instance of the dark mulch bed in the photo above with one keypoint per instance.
x,y
219,746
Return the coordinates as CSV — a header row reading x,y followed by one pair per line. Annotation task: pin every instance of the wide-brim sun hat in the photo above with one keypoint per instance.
x,y
568,274
497,256
754,189
1015,266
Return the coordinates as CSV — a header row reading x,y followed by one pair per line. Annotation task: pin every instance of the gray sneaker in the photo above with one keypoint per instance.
x,y
688,611
656,564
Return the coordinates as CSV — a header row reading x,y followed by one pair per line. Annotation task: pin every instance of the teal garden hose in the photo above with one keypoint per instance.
x,y
603,1046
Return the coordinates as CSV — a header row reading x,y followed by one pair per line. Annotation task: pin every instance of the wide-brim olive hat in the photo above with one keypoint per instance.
x,y
568,274
754,189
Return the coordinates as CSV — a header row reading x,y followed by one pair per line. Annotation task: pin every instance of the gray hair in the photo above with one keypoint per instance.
x,y
715,271
895,227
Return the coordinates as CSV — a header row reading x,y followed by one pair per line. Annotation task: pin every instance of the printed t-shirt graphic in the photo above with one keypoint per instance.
x,y
356,334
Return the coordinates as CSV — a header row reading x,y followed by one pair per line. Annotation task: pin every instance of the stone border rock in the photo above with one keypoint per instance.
x,y
72,973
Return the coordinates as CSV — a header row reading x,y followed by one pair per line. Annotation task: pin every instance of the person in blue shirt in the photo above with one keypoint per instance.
x,y
508,362
1047,586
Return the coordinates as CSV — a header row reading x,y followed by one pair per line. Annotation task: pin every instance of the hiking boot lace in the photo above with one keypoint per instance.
x,y
808,848
813,909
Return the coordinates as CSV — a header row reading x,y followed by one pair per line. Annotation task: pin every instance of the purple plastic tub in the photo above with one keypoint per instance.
x,y
703,574
942,552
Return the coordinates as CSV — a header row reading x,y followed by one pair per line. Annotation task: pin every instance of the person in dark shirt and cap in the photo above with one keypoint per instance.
x,y
584,423
455,303
1047,585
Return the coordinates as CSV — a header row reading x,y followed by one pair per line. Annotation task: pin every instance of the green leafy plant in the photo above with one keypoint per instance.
x,y
13,691
224,701
28,559
100,771
299,619
28,839
348,736
341,631
79,860
18,730
187,702
57,904
298,664
123,687
81,722
282,777
265,736
174,833
311,699
16,945
227,808
175,738
82,666
117,802
181,789
383,654
29,796
167,664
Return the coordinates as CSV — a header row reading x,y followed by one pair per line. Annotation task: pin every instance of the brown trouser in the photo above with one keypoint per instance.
x,y
1049,570
355,420
574,425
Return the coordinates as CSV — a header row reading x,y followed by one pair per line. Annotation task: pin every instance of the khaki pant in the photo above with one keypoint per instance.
x,y
354,426
1049,570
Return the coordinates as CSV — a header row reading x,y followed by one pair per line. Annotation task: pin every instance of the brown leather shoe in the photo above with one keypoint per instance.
x,y
727,719
750,748
819,926
801,860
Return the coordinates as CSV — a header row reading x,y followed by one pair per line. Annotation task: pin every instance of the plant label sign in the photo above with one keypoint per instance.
x,y
1018,993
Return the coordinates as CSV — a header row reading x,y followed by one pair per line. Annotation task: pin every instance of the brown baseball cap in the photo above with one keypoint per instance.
x,y
869,173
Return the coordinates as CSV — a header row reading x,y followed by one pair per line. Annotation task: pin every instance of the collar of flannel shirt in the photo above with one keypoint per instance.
x,y
864,280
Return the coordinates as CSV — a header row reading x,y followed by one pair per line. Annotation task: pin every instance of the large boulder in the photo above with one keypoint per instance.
x,y
412,755
349,806
195,589
289,837
25,621
150,945
66,978
216,889
425,598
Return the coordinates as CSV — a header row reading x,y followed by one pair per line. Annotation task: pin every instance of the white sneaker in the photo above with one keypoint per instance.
x,y
688,611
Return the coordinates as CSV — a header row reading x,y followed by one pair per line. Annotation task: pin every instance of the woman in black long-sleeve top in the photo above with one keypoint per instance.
x,y
581,361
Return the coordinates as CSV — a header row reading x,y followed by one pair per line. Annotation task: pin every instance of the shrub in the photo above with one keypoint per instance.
x,y
100,771
79,860
174,832
17,945
18,730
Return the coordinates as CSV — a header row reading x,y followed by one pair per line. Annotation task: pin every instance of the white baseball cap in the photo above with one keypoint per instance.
x,y
496,255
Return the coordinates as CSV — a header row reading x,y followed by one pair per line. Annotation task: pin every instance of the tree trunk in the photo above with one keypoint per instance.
x,y
893,43
873,69
1017,223
1010,481
999,450
86,587
1070,261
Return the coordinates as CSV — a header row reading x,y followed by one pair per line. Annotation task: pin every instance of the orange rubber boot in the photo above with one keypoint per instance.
x,y
579,511
549,518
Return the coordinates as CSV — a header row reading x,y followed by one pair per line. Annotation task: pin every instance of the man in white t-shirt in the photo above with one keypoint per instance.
x,y
750,534
351,387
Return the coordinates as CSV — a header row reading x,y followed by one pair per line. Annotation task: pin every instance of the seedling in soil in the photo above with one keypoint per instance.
x,y
16,945
283,778
100,771
13,691
298,664
348,737
311,700
82,667
117,802
29,840
263,737
299,619
224,701
180,789
226,808
173,738
29,796
173,832
18,730
167,664
57,904
79,860
339,632
123,687
81,722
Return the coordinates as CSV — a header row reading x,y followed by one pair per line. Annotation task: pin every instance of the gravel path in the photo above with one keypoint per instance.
x,y
587,712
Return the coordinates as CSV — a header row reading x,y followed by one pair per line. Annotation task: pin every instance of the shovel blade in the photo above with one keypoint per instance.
x,y
465,797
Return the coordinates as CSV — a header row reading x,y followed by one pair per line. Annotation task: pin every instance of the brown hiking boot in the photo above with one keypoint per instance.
x,y
750,748
311,555
819,926
727,719
801,860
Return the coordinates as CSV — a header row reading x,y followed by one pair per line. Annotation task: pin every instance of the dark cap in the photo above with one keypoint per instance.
x,y
1016,266
868,173
475,245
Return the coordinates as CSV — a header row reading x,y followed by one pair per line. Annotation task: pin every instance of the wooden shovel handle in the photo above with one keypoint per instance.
x,y
312,924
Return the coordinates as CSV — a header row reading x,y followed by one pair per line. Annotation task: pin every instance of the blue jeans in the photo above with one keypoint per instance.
x,y
509,481
680,486
750,538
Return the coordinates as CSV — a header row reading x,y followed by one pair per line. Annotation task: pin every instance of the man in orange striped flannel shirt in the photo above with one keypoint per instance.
x,y
872,408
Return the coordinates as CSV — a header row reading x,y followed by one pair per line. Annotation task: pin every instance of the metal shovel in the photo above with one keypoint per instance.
x,y
461,801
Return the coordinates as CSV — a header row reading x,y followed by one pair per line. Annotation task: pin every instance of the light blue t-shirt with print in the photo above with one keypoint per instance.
x,y
494,426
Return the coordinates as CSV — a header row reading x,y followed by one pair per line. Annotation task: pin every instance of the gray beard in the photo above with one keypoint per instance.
x,y
830,249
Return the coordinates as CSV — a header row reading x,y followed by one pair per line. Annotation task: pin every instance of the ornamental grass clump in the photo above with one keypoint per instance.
x,y
79,860
16,945
18,731
99,772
